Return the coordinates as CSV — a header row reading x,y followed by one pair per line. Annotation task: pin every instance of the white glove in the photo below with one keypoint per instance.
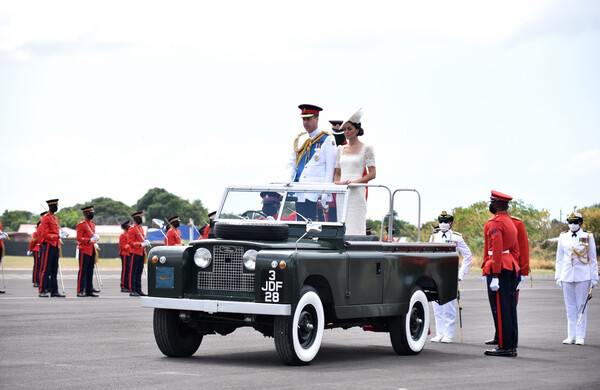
x,y
484,278
495,284
63,234
520,282
324,198
145,243
94,238
559,282
594,283
96,246
28,253
2,236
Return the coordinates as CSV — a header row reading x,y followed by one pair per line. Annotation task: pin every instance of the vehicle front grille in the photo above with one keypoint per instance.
x,y
227,271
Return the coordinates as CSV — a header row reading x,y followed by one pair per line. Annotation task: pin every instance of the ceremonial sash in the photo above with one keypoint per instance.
x,y
306,152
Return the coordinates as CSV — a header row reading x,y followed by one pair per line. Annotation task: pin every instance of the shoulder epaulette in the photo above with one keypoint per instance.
x,y
457,233
517,218
565,232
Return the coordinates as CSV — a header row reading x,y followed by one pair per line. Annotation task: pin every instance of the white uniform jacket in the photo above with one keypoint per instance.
x,y
571,267
461,247
319,169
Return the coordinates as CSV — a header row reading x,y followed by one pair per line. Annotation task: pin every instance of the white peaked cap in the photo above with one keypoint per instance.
x,y
355,118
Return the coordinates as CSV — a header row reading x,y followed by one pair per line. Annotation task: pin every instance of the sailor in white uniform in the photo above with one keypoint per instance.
x,y
312,161
577,273
445,315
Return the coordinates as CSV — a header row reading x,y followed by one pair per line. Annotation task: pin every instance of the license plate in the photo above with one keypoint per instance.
x,y
271,285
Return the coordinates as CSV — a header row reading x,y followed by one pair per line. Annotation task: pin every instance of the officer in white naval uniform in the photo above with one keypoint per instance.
x,y
577,273
445,315
312,161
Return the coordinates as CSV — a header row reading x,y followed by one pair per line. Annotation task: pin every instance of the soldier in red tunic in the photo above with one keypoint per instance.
x,y
501,272
2,237
125,257
137,246
50,234
173,236
87,239
204,231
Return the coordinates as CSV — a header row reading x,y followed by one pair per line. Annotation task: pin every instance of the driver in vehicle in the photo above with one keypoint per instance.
x,y
271,203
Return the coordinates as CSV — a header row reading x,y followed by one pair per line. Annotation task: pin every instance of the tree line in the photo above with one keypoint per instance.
x,y
156,203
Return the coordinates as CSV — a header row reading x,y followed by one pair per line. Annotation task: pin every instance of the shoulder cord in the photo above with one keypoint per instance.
x,y
303,150
581,255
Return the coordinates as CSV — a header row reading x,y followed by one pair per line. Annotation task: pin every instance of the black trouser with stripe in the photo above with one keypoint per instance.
x,y
135,273
125,273
504,309
85,274
49,269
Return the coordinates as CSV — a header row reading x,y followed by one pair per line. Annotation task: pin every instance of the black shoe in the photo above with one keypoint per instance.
x,y
36,285
491,342
511,352
141,294
57,295
96,291
81,294
134,294
92,295
43,294
2,291
125,290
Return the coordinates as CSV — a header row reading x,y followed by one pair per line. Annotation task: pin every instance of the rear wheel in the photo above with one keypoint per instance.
x,y
298,337
408,332
174,337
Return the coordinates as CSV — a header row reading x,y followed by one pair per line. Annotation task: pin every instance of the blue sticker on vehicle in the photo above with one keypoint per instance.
x,y
165,277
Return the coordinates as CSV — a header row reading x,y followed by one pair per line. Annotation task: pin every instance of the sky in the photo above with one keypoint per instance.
x,y
113,98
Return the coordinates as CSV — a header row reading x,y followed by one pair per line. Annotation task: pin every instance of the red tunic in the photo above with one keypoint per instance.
x,y
205,232
501,249
48,230
34,245
523,245
135,237
123,244
85,230
173,237
1,240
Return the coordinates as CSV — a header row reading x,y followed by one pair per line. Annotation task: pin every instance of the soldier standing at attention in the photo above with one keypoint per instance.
x,y
313,161
2,237
137,246
523,242
87,238
173,236
577,273
51,236
501,273
125,257
445,315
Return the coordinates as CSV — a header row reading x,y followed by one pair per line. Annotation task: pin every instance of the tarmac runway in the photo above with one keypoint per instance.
x,y
108,343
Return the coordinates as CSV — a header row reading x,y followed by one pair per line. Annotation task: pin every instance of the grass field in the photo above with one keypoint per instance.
x,y
14,262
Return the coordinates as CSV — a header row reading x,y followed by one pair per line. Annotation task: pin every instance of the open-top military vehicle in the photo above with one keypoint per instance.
x,y
291,279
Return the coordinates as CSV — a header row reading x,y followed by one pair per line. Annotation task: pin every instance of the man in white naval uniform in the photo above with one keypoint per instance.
x,y
576,272
445,315
313,161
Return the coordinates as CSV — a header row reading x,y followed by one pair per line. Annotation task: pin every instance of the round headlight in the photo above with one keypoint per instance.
x,y
250,259
202,258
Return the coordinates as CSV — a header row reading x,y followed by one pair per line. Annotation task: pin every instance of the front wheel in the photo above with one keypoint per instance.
x,y
298,337
408,332
174,337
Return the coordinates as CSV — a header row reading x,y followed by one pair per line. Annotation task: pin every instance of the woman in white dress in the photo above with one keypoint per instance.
x,y
355,163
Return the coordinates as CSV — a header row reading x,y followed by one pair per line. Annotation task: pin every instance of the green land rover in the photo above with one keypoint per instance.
x,y
290,278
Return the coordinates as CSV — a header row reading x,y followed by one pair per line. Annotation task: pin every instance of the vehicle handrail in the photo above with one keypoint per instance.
x,y
391,216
